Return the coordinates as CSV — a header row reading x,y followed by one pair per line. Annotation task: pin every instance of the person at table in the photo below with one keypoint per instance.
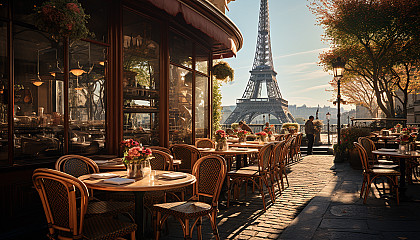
x,y
245,127
310,133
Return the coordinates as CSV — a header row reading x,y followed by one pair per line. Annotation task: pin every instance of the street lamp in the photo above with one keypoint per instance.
x,y
338,69
328,116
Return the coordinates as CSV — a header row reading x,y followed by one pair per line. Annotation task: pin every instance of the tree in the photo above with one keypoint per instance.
x,y
375,38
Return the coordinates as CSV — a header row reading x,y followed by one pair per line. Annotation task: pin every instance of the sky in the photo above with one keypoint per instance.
x,y
295,43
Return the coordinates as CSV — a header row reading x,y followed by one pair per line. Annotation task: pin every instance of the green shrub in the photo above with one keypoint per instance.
x,y
348,136
290,125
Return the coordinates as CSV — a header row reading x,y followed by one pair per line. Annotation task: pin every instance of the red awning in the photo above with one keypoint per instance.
x,y
197,20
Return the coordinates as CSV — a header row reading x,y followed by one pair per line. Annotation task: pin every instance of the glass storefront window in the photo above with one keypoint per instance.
x,y
180,105
87,101
38,103
202,60
180,50
98,10
4,97
4,4
141,42
201,106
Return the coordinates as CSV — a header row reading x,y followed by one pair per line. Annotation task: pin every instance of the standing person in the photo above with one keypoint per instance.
x,y
310,131
245,127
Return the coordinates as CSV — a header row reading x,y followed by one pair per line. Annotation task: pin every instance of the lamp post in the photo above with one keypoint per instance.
x,y
328,115
338,68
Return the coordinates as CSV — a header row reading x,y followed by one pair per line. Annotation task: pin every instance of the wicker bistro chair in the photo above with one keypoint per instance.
x,y
373,161
188,155
163,149
370,174
210,172
297,145
257,175
65,211
205,143
77,166
278,167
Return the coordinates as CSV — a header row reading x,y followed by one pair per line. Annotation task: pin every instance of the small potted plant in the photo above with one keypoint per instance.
x,y
137,161
262,136
62,19
405,141
222,71
269,130
242,135
221,140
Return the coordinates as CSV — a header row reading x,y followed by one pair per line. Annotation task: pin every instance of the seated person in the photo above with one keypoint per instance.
x,y
245,127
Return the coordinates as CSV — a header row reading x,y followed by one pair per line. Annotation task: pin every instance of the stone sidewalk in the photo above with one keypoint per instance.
x,y
246,220
337,212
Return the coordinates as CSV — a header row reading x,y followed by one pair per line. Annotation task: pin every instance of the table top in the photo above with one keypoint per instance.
x,y
229,151
412,154
249,144
143,184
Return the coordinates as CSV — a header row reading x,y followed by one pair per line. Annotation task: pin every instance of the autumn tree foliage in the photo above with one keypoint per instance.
x,y
380,41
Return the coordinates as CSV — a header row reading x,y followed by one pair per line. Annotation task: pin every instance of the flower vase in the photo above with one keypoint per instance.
x,y
146,168
221,146
403,149
134,170
242,139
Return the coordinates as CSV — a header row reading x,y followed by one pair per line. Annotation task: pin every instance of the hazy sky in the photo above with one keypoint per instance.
x,y
295,43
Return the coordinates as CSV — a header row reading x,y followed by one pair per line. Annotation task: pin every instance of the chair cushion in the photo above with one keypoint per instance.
x,y
109,207
381,171
184,210
243,172
386,166
106,228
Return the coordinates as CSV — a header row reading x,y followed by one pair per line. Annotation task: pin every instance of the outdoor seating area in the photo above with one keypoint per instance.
x,y
123,119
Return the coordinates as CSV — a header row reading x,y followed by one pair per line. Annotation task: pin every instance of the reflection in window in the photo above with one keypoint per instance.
x,y
202,60
38,103
87,97
180,105
3,96
201,106
4,4
180,50
141,42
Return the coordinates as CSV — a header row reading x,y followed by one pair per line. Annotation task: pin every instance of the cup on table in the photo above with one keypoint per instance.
x,y
152,175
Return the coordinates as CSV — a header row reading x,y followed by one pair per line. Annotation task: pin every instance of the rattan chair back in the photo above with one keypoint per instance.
x,y
205,143
278,152
265,156
161,161
369,147
76,165
163,149
210,172
187,154
64,211
363,156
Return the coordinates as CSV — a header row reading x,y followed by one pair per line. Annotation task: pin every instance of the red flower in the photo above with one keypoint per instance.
x,y
73,7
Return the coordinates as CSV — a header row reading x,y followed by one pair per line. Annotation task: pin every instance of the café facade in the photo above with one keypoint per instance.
x,y
144,73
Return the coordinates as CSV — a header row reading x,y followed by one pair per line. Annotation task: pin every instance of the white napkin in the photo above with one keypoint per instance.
x,y
238,149
101,161
119,181
387,150
172,175
103,175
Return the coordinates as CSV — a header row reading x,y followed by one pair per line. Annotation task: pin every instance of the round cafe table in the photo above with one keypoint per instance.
x,y
402,160
139,187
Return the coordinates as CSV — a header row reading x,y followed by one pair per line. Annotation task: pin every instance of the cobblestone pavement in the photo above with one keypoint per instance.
x,y
245,218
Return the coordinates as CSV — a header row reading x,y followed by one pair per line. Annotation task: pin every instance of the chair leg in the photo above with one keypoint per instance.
x,y
285,175
396,189
228,184
367,189
270,190
187,233
214,225
262,193
199,222
133,235
158,226
363,186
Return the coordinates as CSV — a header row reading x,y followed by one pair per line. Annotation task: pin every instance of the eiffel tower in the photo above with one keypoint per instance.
x,y
251,104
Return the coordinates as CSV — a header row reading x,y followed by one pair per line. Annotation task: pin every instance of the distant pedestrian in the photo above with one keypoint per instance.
x,y
245,127
310,133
